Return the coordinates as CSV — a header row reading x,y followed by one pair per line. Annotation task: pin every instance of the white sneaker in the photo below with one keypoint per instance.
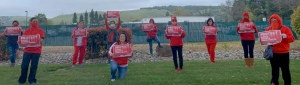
x,y
73,66
112,80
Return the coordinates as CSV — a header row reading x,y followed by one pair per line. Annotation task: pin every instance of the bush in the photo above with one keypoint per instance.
x,y
295,20
96,45
3,51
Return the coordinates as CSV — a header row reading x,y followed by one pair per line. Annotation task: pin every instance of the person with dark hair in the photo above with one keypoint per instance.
x,y
152,35
119,63
247,38
176,44
210,31
12,45
281,55
79,43
112,33
31,54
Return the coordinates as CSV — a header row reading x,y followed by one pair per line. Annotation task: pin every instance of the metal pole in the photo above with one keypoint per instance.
x,y
26,18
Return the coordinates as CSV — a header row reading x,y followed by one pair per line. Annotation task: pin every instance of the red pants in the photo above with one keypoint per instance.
x,y
211,51
78,49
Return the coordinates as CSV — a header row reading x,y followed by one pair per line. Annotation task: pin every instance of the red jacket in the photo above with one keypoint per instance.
x,y
176,40
122,60
284,45
210,38
83,40
152,33
111,34
247,36
34,31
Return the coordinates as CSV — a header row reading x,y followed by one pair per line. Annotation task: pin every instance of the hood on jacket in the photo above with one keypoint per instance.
x,y
213,23
277,17
246,19
151,20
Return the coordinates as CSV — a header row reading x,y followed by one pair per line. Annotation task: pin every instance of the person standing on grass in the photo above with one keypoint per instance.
x,y
112,33
176,44
79,46
247,39
12,45
31,54
119,63
152,35
210,38
281,55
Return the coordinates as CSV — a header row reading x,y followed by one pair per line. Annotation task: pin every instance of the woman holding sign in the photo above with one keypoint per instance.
x,y
281,56
32,52
152,35
12,34
247,29
120,52
112,28
79,36
210,31
175,34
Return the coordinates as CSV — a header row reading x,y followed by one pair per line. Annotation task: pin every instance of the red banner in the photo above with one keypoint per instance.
x,y
209,30
270,37
13,31
174,30
122,50
148,27
29,41
246,27
112,14
80,33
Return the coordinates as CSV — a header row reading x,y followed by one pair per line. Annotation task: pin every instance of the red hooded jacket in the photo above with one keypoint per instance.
x,y
34,31
176,40
83,40
122,60
284,45
247,36
152,33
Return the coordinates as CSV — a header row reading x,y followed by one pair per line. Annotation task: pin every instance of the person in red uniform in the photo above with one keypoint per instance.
x,y
281,55
210,38
152,35
79,46
119,63
112,33
176,44
247,39
31,54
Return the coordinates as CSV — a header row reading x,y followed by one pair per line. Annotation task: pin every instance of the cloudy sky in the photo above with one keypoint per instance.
x,y
54,8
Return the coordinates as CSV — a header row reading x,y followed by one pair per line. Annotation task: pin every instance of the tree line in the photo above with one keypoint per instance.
x,y
89,18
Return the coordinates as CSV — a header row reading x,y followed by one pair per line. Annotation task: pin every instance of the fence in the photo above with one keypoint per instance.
x,y
59,35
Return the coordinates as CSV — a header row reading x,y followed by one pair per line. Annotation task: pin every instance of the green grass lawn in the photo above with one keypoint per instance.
x,y
225,72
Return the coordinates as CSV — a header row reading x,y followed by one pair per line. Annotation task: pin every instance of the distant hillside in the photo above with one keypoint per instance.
x,y
7,20
126,16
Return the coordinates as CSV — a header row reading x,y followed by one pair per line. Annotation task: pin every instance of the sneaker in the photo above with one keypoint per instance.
x,y
180,70
73,66
81,65
112,80
176,69
12,65
160,46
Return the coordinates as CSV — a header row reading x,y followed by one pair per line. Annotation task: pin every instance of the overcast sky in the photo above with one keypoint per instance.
x,y
54,8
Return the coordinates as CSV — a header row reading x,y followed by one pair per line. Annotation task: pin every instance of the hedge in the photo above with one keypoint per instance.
x,y
96,45
3,51
295,20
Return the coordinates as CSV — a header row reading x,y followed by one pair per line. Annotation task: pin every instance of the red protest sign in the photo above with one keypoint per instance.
x,y
210,30
246,27
80,33
29,41
13,31
112,14
147,27
122,50
270,37
174,30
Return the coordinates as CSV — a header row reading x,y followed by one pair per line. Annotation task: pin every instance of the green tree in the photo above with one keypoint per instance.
x,y
167,14
104,16
81,18
92,17
62,22
42,18
96,18
100,18
181,12
295,20
86,17
74,18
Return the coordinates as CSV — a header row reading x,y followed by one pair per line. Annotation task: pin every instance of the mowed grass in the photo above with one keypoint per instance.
x,y
224,72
